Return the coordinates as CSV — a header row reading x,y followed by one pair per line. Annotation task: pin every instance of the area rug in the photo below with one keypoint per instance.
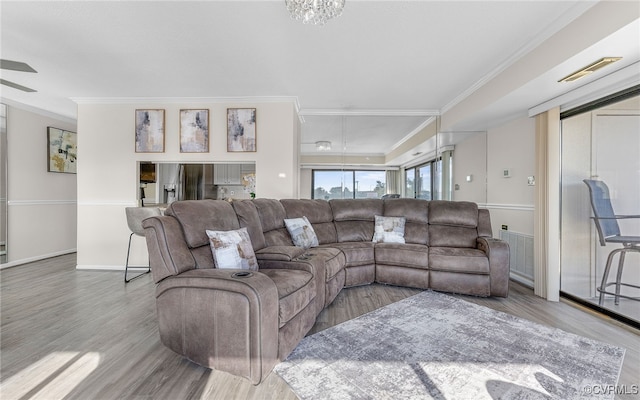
x,y
436,346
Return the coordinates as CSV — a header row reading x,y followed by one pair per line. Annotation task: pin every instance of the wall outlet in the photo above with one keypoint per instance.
x,y
505,227
531,180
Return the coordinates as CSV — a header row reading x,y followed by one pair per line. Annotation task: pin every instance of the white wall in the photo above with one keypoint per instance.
x,y
511,146
42,205
107,170
470,159
485,156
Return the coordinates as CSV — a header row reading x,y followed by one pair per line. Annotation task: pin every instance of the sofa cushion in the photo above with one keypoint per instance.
x,y
249,218
402,255
471,261
232,249
452,236
453,213
416,214
301,232
296,289
272,216
388,230
356,209
279,253
356,253
334,260
354,231
319,214
196,216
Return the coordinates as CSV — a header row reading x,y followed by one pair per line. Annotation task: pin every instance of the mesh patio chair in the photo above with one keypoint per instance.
x,y
135,216
606,222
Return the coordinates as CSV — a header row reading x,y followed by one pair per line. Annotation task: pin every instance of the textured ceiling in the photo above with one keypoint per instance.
x,y
388,65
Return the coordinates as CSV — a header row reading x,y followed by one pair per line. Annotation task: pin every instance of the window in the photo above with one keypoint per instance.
x,y
348,184
428,181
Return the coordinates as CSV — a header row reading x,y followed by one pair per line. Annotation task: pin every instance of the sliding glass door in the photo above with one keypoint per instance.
x,y
601,144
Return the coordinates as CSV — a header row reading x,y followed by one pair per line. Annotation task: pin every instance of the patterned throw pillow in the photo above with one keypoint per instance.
x,y
389,229
301,232
232,249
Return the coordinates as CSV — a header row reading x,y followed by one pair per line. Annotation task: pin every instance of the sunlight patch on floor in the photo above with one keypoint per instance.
x,y
54,376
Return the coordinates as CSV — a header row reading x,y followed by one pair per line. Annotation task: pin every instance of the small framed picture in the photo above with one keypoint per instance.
x,y
149,131
241,129
62,150
194,131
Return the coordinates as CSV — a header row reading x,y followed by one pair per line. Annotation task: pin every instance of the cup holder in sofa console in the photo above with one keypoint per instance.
x,y
242,274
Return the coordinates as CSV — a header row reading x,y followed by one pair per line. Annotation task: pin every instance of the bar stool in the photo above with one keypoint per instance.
x,y
135,216
609,232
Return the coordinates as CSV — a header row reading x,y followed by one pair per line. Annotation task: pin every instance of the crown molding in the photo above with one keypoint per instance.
x,y
536,40
179,100
420,127
368,112
33,109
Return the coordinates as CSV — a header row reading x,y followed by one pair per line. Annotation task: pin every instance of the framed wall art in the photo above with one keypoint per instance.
x,y
62,150
194,131
149,131
241,129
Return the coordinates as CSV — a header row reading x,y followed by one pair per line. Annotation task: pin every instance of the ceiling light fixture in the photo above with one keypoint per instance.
x,y
323,146
593,67
316,12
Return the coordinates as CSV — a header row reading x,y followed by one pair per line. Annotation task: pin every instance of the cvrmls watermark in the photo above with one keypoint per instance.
x,y
611,389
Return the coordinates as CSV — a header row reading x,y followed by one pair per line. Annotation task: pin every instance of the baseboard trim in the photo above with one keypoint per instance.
x,y
133,268
23,261
521,279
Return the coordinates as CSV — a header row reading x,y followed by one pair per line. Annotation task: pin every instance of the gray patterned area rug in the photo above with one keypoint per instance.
x,y
435,346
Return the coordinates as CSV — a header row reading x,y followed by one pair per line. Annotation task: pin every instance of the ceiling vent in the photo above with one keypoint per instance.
x,y
593,67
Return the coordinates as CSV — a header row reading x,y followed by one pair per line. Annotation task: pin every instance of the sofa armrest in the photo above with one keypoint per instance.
x,y
222,321
279,253
168,251
498,253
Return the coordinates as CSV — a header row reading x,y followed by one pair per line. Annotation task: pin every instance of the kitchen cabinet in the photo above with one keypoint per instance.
x,y
227,174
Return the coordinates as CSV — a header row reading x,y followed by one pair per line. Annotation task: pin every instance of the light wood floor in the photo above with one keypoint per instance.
x,y
86,335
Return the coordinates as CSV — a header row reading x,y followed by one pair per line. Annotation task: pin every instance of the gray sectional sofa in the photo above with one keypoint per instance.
x,y
244,322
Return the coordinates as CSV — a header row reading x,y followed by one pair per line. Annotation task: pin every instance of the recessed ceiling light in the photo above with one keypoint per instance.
x,y
593,67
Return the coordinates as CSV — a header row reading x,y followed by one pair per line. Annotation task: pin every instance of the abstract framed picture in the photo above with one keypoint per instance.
x,y
62,150
241,129
194,131
149,131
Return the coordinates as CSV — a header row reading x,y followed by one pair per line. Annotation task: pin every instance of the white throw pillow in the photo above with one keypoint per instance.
x,y
389,230
232,249
301,232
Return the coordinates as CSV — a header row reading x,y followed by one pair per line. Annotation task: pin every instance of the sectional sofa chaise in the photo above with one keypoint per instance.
x,y
244,320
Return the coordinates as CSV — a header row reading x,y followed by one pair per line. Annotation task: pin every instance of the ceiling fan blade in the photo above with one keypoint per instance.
x,y
16,66
16,86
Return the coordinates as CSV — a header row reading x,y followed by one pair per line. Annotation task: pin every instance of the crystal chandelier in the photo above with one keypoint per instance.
x,y
316,12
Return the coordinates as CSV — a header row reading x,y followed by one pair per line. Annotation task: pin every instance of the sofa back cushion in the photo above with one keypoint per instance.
x,y
453,223
272,215
196,216
354,218
416,214
319,214
249,218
